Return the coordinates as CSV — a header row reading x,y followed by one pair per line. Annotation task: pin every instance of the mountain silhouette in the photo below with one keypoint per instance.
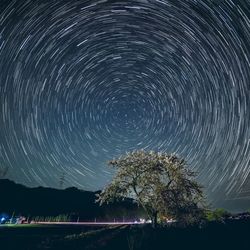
x,y
43,201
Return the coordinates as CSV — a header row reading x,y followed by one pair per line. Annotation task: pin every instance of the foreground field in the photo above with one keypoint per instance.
x,y
217,235
31,236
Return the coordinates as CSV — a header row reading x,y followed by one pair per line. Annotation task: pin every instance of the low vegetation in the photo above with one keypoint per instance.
x,y
218,214
58,218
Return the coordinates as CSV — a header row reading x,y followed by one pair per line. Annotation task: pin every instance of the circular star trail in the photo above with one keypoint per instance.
x,y
82,82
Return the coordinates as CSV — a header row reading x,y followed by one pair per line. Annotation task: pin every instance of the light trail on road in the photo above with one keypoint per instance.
x,y
88,223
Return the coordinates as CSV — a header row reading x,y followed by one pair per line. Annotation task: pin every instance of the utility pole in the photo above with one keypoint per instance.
x,y
62,180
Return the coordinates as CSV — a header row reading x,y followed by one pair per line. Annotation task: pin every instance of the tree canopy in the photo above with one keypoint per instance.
x,y
159,182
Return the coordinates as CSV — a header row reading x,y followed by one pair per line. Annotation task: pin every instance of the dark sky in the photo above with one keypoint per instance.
x,y
82,82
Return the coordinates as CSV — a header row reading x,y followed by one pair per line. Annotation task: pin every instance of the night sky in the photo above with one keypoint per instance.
x,y
83,81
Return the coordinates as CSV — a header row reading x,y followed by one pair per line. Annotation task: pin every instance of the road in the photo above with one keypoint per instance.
x,y
87,223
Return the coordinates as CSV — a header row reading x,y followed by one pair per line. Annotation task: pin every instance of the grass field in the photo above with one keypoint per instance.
x,y
32,236
217,235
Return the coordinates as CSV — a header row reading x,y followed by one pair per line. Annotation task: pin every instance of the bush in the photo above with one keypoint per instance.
x,y
218,214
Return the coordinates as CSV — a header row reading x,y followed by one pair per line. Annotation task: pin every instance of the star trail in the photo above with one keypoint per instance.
x,y
83,81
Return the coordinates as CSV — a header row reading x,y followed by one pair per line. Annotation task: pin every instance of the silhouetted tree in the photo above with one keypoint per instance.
x,y
159,182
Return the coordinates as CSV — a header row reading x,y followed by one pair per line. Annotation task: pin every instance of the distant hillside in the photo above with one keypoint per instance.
x,y
42,201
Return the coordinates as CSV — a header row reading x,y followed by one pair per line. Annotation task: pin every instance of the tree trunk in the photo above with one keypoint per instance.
x,y
154,219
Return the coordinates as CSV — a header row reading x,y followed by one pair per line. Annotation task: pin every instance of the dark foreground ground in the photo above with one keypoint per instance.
x,y
230,235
